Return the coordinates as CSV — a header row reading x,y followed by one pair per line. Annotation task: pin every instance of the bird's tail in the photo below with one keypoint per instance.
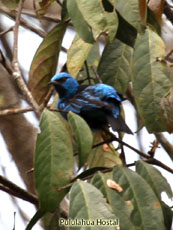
x,y
118,124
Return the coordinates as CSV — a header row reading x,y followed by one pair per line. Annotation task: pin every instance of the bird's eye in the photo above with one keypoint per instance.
x,y
62,80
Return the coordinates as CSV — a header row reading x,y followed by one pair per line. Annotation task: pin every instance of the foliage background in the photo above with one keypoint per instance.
x,y
44,64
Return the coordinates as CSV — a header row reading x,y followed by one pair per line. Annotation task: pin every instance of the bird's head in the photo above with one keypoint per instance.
x,y
64,84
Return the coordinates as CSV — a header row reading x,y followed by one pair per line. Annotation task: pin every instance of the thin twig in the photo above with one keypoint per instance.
x,y
96,74
13,111
155,145
90,176
6,31
22,21
16,70
14,227
151,160
47,16
59,2
103,142
87,72
28,26
5,63
168,55
47,98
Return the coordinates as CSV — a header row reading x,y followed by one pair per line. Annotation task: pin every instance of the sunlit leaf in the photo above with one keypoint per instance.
x,y
77,54
115,65
44,64
144,203
92,61
150,79
53,166
79,22
83,137
101,21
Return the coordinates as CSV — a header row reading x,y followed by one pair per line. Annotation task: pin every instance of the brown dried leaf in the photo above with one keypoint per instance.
x,y
128,202
112,184
143,10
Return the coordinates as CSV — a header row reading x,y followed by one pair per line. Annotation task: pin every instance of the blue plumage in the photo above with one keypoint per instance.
x,y
98,104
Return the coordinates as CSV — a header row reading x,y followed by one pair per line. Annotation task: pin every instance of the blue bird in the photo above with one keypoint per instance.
x,y
98,104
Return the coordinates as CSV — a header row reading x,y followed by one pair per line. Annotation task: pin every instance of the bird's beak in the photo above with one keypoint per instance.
x,y
50,83
53,83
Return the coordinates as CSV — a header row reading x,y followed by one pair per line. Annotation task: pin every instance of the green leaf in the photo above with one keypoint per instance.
x,y
79,22
44,64
150,79
83,137
120,208
51,220
167,109
101,21
115,65
88,203
77,54
129,10
104,155
53,166
94,56
154,178
168,214
145,205
159,184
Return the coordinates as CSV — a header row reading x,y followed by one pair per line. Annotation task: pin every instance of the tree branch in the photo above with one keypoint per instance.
x,y
149,158
46,16
16,70
12,189
96,74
